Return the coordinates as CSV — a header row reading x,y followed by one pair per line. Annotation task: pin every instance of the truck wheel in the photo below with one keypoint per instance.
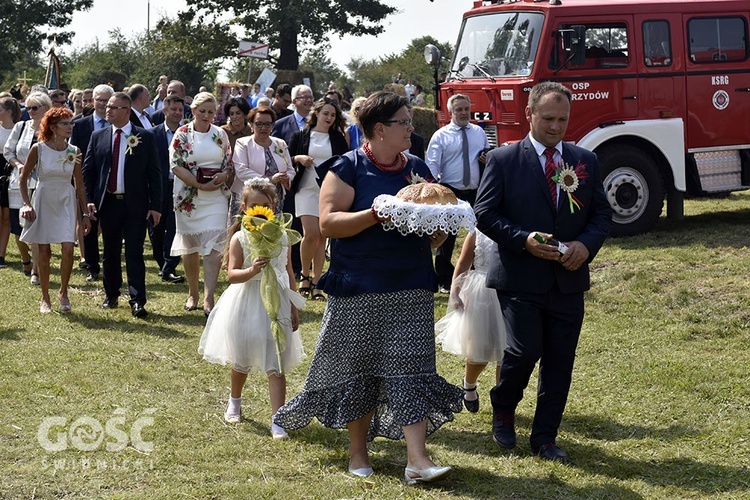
x,y
634,189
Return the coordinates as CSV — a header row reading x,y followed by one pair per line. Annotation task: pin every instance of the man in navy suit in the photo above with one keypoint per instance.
x,y
122,177
540,288
84,127
174,87
163,233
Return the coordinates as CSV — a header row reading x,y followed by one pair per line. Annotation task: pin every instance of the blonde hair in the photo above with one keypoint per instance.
x,y
202,98
260,185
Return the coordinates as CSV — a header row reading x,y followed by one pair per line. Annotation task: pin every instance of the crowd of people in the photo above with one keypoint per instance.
x,y
100,168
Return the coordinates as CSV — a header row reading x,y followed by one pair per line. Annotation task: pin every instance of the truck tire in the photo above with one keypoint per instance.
x,y
634,188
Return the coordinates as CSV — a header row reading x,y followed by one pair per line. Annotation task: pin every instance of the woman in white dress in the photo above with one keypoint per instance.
x,y
200,158
52,217
321,138
16,149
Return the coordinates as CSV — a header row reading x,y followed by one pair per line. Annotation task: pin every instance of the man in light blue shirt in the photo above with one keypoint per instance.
x,y
456,156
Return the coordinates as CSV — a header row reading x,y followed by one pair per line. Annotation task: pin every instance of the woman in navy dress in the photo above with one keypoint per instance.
x,y
373,371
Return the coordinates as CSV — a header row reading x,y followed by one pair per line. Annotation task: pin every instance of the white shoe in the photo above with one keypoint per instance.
x,y
426,475
363,472
278,432
232,418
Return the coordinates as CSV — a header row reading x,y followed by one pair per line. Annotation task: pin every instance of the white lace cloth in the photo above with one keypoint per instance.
x,y
410,217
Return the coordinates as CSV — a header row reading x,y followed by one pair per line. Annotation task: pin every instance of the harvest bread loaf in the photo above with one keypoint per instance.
x,y
430,193
424,208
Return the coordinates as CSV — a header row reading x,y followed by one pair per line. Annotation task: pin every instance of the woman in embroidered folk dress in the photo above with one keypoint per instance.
x,y
261,155
52,218
201,161
374,366
319,140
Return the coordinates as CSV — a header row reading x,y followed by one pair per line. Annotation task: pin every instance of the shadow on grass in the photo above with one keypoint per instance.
x,y
388,458
9,334
146,325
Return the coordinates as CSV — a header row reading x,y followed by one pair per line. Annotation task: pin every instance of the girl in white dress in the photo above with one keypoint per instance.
x,y
238,330
473,327
52,217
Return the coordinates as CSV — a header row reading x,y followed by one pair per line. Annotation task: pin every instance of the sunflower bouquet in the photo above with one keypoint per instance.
x,y
265,231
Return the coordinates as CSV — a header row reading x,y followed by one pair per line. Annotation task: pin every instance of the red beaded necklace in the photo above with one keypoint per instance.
x,y
397,164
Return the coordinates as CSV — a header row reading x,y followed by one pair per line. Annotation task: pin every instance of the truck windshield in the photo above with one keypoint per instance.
x,y
502,44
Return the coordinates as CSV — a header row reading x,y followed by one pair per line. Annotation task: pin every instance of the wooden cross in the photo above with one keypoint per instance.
x,y
24,80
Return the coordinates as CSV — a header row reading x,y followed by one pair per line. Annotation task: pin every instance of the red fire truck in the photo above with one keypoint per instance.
x,y
661,90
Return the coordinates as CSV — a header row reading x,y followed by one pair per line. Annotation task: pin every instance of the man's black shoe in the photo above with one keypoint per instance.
x,y
550,451
503,430
139,311
92,276
83,266
172,278
109,303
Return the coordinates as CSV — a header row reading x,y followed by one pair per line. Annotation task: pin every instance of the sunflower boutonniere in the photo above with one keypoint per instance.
x,y
132,140
569,178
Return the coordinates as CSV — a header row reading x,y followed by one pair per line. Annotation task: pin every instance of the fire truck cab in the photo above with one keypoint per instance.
x,y
661,90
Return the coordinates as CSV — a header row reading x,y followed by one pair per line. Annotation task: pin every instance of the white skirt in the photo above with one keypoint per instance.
x,y
238,330
477,332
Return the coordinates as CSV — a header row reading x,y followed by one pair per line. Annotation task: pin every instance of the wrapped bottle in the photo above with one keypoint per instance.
x,y
561,247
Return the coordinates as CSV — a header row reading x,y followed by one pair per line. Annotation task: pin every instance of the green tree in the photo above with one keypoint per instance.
x,y
284,24
183,48
371,75
325,70
24,26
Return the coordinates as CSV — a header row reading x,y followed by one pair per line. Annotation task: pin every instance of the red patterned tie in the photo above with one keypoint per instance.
x,y
112,182
549,172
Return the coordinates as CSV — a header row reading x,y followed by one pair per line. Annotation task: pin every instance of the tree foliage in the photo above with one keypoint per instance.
x,y
326,71
372,75
25,26
292,24
183,48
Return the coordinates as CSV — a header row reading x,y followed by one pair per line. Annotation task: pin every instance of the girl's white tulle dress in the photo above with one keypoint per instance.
x,y
238,330
477,332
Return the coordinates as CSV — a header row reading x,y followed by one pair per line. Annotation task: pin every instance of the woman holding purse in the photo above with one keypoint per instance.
x,y
201,160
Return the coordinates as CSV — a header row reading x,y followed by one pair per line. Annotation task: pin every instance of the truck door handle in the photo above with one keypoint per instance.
x,y
746,89
630,98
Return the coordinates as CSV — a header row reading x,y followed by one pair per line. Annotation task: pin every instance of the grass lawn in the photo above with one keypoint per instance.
x,y
659,408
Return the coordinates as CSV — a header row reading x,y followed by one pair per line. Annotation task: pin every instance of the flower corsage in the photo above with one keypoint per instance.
x,y
569,178
132,140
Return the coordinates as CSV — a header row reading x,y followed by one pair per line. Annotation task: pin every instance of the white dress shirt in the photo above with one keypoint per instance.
x,y
540,148
445,155
126,130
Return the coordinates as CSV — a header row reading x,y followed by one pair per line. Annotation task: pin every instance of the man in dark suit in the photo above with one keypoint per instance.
x,y
174,87
540,285
163,233
122,177
140,99
84,127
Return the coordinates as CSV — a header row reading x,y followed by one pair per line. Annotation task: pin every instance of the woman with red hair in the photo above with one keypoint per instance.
x,y
52,218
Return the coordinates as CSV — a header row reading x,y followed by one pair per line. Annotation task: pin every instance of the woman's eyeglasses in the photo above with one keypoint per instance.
x,y
404,123
263,124
34,108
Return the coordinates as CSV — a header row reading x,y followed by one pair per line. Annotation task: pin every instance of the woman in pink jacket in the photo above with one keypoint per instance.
x,y
261,155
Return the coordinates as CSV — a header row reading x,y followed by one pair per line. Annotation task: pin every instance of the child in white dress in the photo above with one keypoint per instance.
x,y
473,327
238,330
